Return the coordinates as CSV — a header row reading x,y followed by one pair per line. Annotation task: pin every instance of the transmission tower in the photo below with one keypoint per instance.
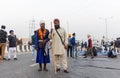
x,y
32,27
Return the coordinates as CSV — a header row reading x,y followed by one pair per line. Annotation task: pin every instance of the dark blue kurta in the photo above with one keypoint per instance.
x,y
41,58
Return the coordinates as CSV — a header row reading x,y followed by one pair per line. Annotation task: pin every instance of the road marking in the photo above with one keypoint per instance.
x,y
33,65
21,53
24,53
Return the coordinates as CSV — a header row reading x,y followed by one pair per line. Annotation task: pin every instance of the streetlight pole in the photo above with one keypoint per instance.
x,y
106,25
106,28
68,27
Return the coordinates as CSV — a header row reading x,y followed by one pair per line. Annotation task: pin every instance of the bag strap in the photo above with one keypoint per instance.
x,y
60,37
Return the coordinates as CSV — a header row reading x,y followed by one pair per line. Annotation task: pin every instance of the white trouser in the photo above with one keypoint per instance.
x,y
117,50
33,51
12,50
103,49
61,59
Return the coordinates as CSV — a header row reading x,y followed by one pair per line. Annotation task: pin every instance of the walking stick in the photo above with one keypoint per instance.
x,y
54,64
54,59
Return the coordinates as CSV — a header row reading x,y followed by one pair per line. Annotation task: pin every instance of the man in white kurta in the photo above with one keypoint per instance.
x,y
58,48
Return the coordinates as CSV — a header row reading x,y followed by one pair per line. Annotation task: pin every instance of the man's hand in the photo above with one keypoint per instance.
x,y
65,47
36,49
51,30
44,41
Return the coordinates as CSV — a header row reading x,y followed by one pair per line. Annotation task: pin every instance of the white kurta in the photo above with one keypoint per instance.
x,y
57,46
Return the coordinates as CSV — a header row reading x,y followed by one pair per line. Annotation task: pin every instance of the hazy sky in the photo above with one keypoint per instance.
x,y
82,15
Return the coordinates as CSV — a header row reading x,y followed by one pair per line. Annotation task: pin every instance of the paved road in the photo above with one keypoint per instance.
x,y
80,68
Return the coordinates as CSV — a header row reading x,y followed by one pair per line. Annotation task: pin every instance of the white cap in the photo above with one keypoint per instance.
x,y
89,35
42,21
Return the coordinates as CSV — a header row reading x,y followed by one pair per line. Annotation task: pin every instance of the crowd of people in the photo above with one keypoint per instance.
x,y
42,41
73,44
93,47
55,41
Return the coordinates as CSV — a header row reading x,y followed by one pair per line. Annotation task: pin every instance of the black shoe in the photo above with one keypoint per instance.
x,y
45,69
57,70
85,57
40,69
4,59
9,59
92,57
66,71
15,59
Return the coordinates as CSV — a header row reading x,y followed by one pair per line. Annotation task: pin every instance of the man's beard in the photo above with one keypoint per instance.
x,y
57,26
42,27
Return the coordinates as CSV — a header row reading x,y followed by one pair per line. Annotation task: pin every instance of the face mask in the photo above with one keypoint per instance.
x,y
57,26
